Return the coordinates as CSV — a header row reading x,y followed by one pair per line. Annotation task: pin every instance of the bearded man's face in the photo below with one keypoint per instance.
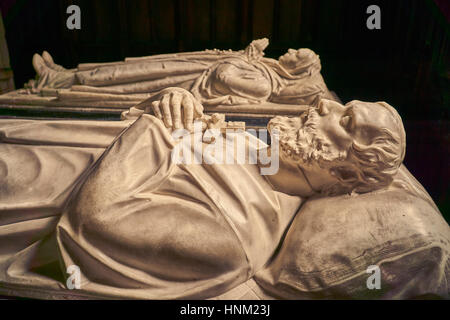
x,y
326,132
302,142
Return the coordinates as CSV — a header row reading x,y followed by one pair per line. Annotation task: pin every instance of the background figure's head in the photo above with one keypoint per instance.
x,y
361,144
299,61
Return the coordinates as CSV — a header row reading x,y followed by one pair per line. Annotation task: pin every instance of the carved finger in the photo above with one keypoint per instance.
x,y
176,110
165,104
188,108
198,109
156,110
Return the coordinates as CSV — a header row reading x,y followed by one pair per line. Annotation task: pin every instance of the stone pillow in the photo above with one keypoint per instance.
x,y
332,242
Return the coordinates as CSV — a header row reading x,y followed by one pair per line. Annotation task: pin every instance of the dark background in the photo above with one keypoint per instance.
x,y
406,63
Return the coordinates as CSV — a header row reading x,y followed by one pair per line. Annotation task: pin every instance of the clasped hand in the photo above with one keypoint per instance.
x,y
176,107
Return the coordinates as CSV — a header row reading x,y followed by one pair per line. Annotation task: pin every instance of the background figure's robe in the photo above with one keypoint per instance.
x,y
206,75
139,78
137,224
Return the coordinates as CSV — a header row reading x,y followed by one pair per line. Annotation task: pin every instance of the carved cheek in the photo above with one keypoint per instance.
x,y
335,133
366,134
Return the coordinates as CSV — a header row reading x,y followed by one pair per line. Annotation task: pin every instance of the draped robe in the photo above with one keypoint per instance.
x,y
206,75
137,224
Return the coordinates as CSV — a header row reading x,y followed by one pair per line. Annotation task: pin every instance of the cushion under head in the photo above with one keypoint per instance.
x,y
332,242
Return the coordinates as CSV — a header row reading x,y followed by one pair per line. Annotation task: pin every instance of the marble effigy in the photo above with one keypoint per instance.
x,y
224,81
176,202
95,209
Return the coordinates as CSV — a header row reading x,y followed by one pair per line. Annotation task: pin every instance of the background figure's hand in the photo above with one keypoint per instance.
x,y
176,107
255,50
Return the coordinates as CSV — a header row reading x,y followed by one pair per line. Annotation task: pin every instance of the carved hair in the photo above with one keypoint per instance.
x,y
371,167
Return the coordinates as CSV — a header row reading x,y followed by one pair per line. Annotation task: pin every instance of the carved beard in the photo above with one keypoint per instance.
x,y
301,142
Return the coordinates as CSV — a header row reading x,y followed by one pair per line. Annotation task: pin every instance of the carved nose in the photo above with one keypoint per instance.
x,y
322,109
